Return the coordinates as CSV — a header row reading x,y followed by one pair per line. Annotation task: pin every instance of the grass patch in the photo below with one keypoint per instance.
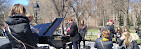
x,y
139,41
93,30
132,30
92,38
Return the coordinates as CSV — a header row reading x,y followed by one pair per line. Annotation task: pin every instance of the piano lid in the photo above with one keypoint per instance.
x,y
42,28
48,29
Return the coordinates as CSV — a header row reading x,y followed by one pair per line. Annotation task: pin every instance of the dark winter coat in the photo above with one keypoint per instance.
x,y
20,28
82,31
110,28
106,44
74,35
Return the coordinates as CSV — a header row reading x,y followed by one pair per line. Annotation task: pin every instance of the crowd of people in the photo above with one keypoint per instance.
x,y
125,39
22,36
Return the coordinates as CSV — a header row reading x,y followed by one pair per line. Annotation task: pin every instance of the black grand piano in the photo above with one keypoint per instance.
x,y
47,34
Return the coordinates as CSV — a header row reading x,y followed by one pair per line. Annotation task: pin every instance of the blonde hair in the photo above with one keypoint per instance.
x,y
109,23
82,22
17,9
105,33
134,36
29,16
127,38
120,30
127,30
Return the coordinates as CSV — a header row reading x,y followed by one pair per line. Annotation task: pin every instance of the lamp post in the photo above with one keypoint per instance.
x,y
36,8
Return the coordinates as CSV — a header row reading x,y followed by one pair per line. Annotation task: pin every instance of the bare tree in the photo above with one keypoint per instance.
x,y
4,9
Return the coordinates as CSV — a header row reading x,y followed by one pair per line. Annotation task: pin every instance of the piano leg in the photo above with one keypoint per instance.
x,y
79,44
58,48
64,46
70,46
83,43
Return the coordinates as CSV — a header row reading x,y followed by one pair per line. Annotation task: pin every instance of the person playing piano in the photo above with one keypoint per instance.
x,y
72,30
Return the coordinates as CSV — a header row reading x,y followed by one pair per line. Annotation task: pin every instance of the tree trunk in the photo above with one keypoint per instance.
x,y
134,19
125,18
103,21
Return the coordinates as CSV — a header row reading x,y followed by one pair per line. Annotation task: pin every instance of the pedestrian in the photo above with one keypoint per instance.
x,y
104,42
110,26
118,34
73,32
112,30
128,41
83,32
18,28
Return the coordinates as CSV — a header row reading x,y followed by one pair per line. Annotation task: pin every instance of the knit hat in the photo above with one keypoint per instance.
x,y
111,21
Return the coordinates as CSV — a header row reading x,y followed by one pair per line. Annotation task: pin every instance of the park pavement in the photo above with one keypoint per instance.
x,y
4,40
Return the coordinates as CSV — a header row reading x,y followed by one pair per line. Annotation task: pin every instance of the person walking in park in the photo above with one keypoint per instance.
x,y
104,42
18,29
83,32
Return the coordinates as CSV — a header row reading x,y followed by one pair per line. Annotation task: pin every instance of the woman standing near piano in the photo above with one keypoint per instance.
x,y
82,31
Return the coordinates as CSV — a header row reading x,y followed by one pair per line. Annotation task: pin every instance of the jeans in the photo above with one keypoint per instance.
x,y
83,43
117,38
111,36
75,46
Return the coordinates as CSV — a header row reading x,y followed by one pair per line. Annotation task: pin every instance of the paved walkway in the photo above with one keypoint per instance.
x,y
88,43
3,40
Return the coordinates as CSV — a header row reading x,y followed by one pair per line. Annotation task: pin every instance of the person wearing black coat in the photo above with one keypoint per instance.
x,y
20,29
83,32
73,32
18,26
103,42
110,27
